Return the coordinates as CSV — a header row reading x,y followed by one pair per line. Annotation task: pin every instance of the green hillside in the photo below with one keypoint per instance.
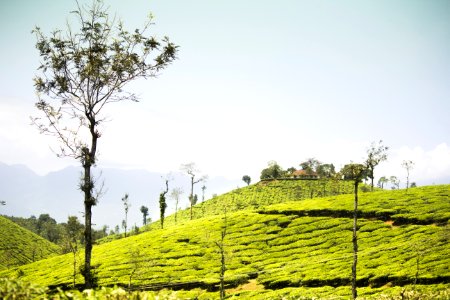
x,y
261,194
19,246
295,248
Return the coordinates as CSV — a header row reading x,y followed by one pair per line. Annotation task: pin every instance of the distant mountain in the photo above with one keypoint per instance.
x,y
57,193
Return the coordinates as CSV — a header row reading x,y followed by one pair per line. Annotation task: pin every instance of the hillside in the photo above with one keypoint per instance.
x,y
19,246
292,248
262,194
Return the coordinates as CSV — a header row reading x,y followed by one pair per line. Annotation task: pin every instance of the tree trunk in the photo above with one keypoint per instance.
x,y
88,160
74,266
355,242
88,226
191,199
222,272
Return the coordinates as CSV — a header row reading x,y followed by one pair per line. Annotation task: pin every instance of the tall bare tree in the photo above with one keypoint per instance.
x,y
192,171
355,172
221,245
82,72
376,154
408,165
175,195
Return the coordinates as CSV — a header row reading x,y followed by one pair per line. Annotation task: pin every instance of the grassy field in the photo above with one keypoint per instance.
x,y
292,248
19,246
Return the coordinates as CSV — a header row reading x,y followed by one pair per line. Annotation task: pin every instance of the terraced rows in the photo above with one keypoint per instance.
x,y
19,246
281,248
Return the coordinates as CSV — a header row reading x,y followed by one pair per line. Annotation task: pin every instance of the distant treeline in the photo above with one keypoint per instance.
x,y
47,227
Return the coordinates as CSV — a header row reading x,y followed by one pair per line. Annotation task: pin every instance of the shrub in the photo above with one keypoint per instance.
x,y
17,289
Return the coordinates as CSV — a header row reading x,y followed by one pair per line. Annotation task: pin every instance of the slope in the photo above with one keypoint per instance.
x,y
19,246
261,194
282,249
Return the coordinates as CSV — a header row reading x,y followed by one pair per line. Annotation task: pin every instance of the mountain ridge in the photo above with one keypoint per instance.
x,y
26,193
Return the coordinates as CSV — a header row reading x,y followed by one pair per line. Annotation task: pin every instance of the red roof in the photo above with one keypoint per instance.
x,y
303,173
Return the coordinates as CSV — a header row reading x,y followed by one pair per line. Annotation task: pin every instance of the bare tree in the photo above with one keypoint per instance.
x,y
376,154
192,171
408,165
355,172
395,182
81,73
175,195
221,246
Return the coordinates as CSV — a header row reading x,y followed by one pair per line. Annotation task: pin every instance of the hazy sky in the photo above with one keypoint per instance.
x,y
256,81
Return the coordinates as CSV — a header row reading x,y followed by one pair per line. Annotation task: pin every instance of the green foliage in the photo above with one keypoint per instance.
x,y
273,171
162,208
47,227
19,290
261,194
16,289
293,249
246,179
144,211
376,154
425,205
19,246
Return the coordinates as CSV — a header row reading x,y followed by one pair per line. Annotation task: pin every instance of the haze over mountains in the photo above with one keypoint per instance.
x,y
57,193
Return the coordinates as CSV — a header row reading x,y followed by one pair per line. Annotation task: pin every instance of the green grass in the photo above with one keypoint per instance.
x,y
287,252
19,246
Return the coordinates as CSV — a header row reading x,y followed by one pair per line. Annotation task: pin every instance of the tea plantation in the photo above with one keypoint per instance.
x,y
19,246
278,245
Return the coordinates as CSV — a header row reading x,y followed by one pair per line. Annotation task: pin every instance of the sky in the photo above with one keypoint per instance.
x,y
255,81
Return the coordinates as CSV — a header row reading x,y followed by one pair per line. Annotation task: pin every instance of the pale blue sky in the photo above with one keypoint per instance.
x,y
258,81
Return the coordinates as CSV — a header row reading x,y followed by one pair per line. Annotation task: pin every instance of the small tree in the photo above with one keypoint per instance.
x,y
325,170
162,203
175,194
310,166
395,182
136,261
144,211
73,232
376,154
126,206
246,179
355,172
408,165
203,193
2,202
82,72
382,181
272,171
191,170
